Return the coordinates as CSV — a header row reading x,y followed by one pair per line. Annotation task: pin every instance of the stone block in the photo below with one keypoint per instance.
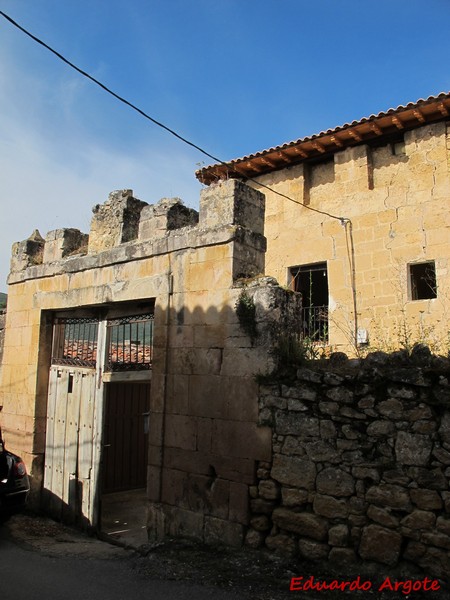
x,y
63,242
436,562
183,523
382,517
305,524
294,471
218,531
332,508
254,539
392,496
167,215
436,539
156,523
282,544
321,451
303,427
343,556
381,429
292,497
115,222
433,479
262,507
419,519
232,203
28,253
335,482
269,490
380,544
260,523
338,535
241,439
181,432
426,499
312,550
239,502
413,449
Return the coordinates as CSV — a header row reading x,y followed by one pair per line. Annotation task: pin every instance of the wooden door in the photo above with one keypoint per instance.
x,y
68,483
125,439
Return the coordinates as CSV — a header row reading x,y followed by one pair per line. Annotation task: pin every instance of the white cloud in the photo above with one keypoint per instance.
x,y
53,170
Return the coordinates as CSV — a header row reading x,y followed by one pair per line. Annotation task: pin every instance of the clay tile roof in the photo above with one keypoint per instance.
x,y
386,123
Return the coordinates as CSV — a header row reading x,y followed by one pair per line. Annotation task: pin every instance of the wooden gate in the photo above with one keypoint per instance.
x,y
125,436
71,429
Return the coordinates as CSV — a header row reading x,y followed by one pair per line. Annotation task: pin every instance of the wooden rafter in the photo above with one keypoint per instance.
x,y
419,116
266,162
354,134
252,165
336,141
238,170
374,127
443,109
301,152
318,147
397,122
284,156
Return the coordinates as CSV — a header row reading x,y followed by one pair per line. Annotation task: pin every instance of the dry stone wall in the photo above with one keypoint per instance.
x,y
361,464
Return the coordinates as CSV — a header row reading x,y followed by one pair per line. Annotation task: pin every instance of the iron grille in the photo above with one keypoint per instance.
x,y
130,343
315,323
75,342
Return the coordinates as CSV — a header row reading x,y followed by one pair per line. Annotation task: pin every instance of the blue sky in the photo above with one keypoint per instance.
x,y
233,76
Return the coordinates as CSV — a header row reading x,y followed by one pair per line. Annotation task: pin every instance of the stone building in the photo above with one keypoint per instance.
x,y
365,231
131,354
125,365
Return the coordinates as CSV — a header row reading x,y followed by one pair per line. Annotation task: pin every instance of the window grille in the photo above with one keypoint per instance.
x,y
311,281
130,343
75,342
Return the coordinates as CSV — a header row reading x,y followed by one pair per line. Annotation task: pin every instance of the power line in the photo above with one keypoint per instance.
x,y
343,220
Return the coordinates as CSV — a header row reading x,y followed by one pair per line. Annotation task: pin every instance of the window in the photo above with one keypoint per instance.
x,y
130,343
75,342
312,282
422,279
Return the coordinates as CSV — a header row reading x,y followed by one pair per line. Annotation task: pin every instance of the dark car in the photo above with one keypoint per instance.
x,y
14,483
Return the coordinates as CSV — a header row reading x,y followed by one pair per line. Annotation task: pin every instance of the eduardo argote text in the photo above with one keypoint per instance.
x,y
405,586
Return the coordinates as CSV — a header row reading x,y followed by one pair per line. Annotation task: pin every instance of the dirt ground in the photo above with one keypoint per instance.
x,y
249,573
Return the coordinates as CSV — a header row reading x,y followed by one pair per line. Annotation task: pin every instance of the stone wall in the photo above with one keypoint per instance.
x,y
361,464
397,201
204,438
2,332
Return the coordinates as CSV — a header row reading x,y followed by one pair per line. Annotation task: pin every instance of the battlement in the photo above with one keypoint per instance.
x,y
123,221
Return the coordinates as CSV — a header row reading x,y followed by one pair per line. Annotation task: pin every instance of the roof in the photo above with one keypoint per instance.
x,y
366,130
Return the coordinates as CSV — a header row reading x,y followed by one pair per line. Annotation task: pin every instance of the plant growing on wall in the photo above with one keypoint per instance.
x,y
246,313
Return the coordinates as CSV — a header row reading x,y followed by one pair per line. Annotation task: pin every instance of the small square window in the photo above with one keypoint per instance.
x,y
422,277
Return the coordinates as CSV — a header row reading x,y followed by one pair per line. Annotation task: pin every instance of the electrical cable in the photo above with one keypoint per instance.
x,y
343,220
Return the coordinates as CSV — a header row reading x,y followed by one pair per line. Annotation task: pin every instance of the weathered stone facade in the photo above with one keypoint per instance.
x,y
361,464
204,436
367,201
346,464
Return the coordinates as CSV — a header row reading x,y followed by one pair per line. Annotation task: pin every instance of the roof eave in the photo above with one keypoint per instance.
x,y
367,130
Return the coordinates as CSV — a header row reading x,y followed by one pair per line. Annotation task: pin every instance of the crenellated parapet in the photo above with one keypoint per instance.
x,y
60,243
167,215
27,253
125,227
115,222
